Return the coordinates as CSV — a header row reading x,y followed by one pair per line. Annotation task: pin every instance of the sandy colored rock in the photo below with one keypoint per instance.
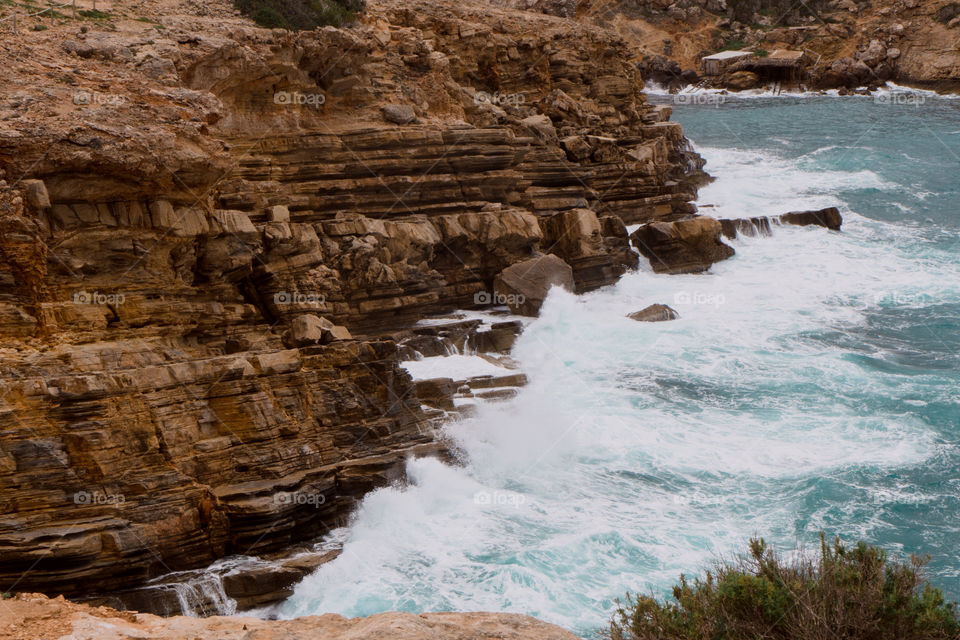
x,y
524,286
33,617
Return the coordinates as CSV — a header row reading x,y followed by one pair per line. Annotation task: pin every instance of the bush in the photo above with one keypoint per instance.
x,y
845,593
300,14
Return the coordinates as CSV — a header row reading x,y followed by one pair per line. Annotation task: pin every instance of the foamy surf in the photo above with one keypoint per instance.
x,y
799,391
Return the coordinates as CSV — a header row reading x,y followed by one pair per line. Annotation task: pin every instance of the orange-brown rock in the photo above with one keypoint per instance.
x,y
690,245
33,617
186,191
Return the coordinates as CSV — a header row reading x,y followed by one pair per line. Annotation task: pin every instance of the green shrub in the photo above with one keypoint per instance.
x,y
762,53
734,45
846,593
300,14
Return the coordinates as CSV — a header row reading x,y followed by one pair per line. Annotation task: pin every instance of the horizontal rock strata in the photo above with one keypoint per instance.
x,y
202,263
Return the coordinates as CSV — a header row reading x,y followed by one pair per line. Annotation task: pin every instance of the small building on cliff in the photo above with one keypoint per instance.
x,y
716,64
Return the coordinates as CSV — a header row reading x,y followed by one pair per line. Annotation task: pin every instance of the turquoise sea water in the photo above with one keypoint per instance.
x,y
812,383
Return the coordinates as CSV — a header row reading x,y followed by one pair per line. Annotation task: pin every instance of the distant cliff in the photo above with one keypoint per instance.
x,y
849,43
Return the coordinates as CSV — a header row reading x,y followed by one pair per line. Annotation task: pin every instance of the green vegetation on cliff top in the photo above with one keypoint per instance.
x,y
298,15
845,593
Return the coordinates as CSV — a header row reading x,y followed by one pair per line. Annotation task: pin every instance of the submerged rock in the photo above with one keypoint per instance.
x,y
654,313
691,245
524,286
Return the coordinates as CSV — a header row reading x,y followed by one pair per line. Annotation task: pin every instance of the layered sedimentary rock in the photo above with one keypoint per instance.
x,y
211,233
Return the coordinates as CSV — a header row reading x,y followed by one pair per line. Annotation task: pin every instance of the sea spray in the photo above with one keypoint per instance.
x,y
808,385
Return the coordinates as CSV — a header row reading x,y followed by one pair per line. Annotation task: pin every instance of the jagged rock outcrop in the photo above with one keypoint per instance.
x,y
31,617
690,245
211,231
524,286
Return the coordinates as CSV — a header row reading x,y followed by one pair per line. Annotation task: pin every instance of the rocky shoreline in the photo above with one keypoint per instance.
x,y
204,275
219,244
846,44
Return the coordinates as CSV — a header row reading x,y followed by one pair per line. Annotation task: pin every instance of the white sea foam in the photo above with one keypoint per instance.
x,y
641,450
458,367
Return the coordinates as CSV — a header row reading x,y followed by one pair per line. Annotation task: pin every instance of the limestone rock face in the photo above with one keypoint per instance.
x,y
194,202
691,245
654,313
32,617
524,286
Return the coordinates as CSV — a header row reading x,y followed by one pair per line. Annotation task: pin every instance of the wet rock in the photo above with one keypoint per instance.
x,y
829,218
500,338
260,586
654,313
437,392
524,286
691,245
750,227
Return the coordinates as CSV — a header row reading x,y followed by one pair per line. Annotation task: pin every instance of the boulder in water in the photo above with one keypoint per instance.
x,y
524,286
654,313
829,218
691,245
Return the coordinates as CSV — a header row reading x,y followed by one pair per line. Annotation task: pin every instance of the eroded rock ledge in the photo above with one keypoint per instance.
x,y
31,616
156,409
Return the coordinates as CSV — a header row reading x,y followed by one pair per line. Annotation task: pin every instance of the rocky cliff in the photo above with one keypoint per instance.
x,y
849,43
211,233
